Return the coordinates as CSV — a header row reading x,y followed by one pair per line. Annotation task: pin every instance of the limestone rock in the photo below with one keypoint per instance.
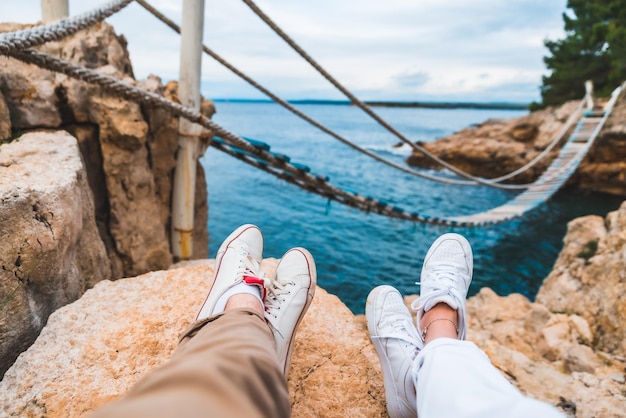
x,y
5,120
589,278
51,251
128,150
90,353
135,224
498,147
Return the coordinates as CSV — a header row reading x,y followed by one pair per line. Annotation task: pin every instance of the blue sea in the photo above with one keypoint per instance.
x,y
355,251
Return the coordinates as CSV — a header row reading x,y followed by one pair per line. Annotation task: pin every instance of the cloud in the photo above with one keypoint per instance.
x,y
411,80
397,49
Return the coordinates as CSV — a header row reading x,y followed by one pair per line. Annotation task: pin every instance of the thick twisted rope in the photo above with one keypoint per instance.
x,y
368,110
257,157
573,117
38,35
303,116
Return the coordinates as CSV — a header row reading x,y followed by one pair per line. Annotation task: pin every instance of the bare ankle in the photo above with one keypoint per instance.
x,y
244,300
441,321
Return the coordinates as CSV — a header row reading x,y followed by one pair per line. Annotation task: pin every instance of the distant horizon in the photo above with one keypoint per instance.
x,y
445,104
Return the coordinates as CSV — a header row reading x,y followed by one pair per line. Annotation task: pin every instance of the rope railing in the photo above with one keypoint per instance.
x,y
312,121
38,35
256,156
368,110
12,44
446,180
294,110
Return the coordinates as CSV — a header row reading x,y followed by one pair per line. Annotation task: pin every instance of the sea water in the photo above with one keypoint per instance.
x,y
355,251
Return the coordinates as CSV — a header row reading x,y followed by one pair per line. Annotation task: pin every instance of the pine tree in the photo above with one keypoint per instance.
x,y
594,49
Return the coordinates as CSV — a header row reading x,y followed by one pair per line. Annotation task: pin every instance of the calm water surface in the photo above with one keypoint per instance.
x,y
355,251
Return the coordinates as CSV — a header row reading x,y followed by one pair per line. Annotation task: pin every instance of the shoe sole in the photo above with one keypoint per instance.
x,y
390,384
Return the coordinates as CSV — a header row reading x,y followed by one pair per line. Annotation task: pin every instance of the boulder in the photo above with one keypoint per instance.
x,y
500,146
5,120
129,150
90,353
51,251
589,279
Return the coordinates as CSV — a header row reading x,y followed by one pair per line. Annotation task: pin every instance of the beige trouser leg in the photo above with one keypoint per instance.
x,y
225,366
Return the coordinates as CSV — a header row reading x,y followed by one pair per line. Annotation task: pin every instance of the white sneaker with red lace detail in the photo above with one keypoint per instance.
x,y
238,261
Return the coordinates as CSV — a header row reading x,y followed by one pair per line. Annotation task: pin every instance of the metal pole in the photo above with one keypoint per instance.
x,y
189,147
52,10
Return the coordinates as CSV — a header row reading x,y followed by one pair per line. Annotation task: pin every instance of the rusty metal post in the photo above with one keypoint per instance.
x,y
52,10
189,146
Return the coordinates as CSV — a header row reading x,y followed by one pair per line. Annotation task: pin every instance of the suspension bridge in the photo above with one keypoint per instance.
x,y
583,128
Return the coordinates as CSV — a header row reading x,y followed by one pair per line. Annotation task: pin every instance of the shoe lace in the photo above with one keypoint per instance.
x,y
442,280
248,266
275,295
401,327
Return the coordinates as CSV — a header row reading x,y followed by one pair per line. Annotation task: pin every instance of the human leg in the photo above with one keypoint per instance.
x,y
227,364
454,378
450,377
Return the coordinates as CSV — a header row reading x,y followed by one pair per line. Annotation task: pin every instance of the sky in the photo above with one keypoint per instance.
x,y
406,50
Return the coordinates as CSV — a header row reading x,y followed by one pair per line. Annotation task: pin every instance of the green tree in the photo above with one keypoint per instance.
x,y
594,49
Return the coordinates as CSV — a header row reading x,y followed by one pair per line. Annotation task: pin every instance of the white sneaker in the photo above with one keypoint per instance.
x,y
397,344
289,295
238,260
446,277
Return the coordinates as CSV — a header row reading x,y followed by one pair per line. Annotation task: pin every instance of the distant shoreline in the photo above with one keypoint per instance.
x,y
430,105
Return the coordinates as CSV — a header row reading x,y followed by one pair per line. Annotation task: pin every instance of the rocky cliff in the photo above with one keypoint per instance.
x,y
51,251
129,151
86,183
567,348
500,146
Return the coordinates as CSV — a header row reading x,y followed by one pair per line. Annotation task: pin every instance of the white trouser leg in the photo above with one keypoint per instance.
x,y
456,379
